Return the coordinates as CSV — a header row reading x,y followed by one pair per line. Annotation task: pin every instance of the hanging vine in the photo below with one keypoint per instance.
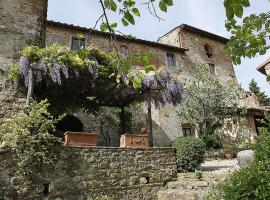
x,y
100,73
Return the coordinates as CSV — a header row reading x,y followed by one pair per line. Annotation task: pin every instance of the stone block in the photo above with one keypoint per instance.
x,y
245,158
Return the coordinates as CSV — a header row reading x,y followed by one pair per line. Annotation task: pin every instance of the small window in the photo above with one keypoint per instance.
x,y
212,68
124,51
170,59
208,50
187,132
77,43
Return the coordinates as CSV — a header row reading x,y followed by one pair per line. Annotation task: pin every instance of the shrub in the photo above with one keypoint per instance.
x,y
252,182
189,153
211,139
28,133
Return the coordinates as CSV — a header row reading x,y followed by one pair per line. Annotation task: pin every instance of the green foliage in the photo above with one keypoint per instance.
x,y
206,101
249,33
29,134
198,174
251,182
128,10
211,139
262,97
14,73
189,153
109,62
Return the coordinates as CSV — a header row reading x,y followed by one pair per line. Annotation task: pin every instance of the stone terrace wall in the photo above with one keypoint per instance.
x,y
93,173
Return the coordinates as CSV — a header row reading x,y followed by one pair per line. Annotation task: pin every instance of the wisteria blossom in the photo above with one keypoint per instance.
x,y
162,87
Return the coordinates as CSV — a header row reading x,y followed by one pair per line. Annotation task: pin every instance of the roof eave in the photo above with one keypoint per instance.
x,y
84,29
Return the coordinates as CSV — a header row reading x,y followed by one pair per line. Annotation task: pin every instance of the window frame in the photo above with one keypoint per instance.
x,y
173,59
210,67
78,39
184,129
126,53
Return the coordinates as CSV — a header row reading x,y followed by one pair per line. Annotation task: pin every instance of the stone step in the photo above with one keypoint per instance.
x,y
177,194
206,176
188,184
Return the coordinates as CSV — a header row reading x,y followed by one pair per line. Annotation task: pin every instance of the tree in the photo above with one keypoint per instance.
x,y
206,101
262,97
249,34
128,10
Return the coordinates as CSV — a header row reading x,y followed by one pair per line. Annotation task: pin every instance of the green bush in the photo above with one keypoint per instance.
x,y
252,182
29,134
211,139
189,153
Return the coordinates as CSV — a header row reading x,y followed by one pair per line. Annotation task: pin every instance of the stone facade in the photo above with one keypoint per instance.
x,y
166,124
24,22
93,173
195,41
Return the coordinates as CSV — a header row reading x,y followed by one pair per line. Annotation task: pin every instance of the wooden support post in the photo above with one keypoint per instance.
x,y
30,86
150,127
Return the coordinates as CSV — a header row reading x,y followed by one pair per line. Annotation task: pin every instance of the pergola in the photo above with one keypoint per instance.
x,y
94,82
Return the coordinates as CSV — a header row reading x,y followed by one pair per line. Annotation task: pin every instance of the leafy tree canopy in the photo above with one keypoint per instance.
x,y
206,101
128,11
250,34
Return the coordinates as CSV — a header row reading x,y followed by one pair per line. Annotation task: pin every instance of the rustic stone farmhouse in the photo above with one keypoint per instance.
x,y
24,22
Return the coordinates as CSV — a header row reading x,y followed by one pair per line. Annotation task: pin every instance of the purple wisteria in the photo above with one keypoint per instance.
x,y
55,71
162,87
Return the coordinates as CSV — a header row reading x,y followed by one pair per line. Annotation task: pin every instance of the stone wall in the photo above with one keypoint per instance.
x,y
94,173
22,22
196,54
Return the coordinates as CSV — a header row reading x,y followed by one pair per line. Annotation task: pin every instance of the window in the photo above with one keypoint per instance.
x,y
188,129
170,59
208,50
77,43
212,68
124,51
187,132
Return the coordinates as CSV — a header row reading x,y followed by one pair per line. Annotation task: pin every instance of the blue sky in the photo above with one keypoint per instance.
x,y
205,14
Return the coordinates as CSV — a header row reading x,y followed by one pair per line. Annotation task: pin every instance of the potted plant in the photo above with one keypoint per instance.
x,y
80,139
135,140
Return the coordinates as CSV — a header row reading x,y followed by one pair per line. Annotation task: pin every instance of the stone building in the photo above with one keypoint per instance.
x,y
24,22
264,68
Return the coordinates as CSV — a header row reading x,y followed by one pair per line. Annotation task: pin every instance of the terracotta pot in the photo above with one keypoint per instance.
x,y
134,141
80,139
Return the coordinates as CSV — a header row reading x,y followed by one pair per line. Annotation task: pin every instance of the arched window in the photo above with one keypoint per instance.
x,y
208,50
124,50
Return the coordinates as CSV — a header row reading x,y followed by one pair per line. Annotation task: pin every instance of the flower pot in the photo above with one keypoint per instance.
x,y
134,141
80,139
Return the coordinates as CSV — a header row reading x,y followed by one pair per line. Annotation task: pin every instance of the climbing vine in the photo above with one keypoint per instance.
x,y
100,74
